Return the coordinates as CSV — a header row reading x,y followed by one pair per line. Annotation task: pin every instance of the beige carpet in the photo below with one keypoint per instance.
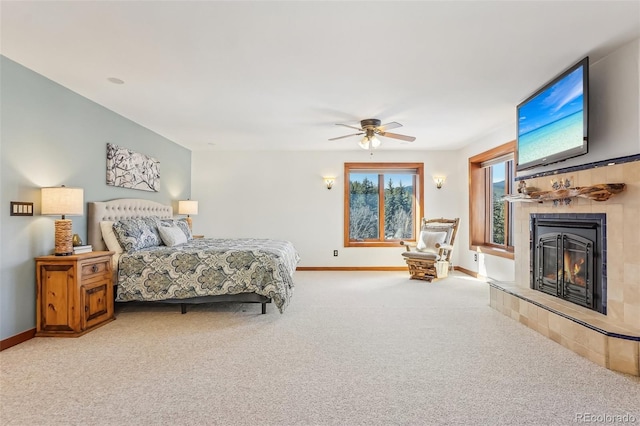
x,y
353,348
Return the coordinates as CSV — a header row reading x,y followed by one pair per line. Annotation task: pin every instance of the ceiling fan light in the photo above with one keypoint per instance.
x,y
375,142
370,128
364,143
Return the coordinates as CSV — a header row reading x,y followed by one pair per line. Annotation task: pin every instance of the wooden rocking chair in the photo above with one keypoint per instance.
x,y
429,257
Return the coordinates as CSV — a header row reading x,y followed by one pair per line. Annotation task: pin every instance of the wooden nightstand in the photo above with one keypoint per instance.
x,y
198,236
74,293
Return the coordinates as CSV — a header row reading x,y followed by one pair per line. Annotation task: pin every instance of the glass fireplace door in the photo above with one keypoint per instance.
x,y
548,274
577,269
565,267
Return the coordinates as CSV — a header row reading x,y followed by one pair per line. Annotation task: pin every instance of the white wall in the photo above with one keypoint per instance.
x,y
282,195
614,132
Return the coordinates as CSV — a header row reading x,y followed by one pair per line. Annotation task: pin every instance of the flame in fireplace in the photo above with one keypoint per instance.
x,y
573,268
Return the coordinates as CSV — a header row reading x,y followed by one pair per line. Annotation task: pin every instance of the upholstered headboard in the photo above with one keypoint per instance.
x,y
122,208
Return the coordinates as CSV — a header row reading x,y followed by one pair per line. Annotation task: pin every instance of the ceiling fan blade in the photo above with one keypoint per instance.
x,y
389,126
397,136
351,127
346,136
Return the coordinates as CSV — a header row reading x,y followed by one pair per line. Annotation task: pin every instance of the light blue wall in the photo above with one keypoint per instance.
x,y
52,136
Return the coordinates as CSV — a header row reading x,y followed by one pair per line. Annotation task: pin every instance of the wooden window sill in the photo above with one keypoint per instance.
x,y
493,251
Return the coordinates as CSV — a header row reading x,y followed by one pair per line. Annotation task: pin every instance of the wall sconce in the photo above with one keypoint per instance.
x,y
188,207
63,201
439,180
329,181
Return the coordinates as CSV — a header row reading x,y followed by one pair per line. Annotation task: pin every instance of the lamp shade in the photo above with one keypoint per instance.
x,y
61,200
188,207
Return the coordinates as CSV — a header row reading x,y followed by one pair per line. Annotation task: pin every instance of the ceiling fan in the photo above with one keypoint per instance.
x,y
372,127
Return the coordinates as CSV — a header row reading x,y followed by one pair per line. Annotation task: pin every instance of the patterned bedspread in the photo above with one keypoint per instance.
x,y
206,267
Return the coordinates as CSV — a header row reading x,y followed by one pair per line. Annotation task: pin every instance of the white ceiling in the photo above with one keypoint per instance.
x,y
274,75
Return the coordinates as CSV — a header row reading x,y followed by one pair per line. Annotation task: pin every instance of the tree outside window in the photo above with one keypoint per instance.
x,y
382,203
500,177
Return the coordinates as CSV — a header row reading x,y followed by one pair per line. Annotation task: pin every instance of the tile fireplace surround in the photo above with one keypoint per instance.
x,y
611,340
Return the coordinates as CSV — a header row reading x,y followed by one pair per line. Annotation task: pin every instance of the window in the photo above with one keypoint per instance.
x,y
500,182
383,203
491,219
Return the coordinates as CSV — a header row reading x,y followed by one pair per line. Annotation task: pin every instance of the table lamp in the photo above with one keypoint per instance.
x,y
188,207
64,201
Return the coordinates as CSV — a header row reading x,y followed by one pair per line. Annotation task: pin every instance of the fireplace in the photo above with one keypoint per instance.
x,y
568,258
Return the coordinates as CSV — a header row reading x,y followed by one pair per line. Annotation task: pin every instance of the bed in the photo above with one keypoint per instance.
x,y
200,270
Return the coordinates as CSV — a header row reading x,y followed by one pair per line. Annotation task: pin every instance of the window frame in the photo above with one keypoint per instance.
x,y
381,167
480,203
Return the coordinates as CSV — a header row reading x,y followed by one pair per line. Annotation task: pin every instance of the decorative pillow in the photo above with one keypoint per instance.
x,y
180,223
153,222
443,227
110,239
440,228
171,235
429,239
138,233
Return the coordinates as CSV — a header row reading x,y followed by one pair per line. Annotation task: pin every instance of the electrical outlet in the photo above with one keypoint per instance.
x,y
475,257
335,253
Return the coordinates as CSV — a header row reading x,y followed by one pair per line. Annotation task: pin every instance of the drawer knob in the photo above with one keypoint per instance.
x,y
94,268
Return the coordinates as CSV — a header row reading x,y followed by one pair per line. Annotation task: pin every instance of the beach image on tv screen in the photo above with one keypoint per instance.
x,y
552,121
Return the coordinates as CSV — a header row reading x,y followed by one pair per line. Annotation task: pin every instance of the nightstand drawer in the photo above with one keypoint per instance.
x,y
97,269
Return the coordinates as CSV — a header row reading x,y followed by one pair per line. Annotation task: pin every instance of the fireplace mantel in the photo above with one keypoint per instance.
x,y
599,192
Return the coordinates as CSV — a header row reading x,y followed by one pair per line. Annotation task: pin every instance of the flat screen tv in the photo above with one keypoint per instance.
x,y
552,124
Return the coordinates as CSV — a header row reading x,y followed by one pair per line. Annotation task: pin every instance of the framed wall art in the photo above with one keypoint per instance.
x,y
130,169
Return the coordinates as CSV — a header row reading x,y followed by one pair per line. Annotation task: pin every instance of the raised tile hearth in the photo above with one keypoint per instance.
x,y
611,338
590,334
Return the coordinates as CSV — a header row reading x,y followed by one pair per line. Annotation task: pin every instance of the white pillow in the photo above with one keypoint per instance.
x,y
429,239
109,237
172,235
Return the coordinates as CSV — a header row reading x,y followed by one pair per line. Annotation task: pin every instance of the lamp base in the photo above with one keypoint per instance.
x,y
64,238
190,223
